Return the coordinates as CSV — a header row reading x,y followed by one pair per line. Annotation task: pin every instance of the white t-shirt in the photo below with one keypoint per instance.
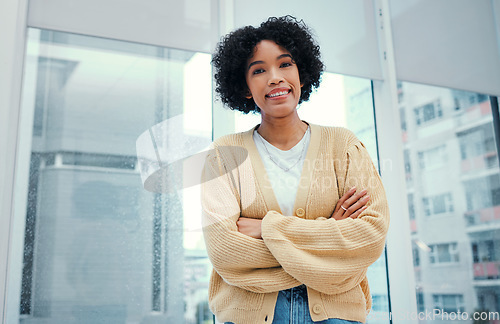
x,y
284,183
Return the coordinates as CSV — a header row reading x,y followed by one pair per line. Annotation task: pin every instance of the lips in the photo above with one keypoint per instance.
x,y
278,92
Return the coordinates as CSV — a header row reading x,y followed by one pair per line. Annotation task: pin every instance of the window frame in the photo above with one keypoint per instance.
x,y
439,303
451,249
13,15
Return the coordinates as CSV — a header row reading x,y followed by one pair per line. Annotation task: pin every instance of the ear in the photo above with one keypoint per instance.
x,y
248,94
301,84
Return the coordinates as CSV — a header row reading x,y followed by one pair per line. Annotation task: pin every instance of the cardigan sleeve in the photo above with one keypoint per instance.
x,y
239,259
325,254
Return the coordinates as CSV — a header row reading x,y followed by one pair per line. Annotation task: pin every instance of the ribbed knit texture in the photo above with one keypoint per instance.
x,y
330,257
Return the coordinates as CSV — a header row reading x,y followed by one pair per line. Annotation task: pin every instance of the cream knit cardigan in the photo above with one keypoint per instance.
x,y
330,257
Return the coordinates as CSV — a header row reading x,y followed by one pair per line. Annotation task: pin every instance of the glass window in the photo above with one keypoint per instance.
x,y
454,198
98,247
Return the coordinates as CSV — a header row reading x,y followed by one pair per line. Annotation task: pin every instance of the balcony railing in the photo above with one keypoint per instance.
x,y
413,225
474,112
487,270
483,216
484,161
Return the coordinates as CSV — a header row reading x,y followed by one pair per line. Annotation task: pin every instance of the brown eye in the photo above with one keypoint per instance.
x,y
258,71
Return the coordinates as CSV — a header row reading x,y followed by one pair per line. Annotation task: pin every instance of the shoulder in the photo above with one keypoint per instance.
x,y
339,137
229,150
235,139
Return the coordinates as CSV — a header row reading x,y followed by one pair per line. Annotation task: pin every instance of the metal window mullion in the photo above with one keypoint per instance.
x,y
402,294
496,121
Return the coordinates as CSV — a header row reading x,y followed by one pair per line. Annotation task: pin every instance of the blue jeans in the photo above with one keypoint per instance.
x,y
292,306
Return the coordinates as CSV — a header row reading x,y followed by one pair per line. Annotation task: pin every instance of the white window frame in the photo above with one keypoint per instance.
x,y
420,113
399,244
13,22
439,304
452,250
428,204
433,158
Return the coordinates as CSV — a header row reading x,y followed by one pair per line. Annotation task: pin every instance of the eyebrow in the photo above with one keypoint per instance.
x,y
260,62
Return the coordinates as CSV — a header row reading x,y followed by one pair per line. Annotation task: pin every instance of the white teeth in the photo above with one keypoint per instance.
x,y
278,94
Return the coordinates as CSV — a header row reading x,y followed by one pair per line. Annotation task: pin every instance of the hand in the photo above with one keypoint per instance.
x,y
250,227
354,203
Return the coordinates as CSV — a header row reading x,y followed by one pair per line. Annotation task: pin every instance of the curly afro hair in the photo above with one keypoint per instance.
x,y
233,51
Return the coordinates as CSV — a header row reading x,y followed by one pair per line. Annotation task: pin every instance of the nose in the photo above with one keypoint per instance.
x,y
275,77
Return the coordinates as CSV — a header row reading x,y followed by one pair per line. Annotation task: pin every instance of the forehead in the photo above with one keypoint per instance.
x,y
268,48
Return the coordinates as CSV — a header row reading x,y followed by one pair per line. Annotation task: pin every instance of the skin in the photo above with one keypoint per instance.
x,y
272,70
269,69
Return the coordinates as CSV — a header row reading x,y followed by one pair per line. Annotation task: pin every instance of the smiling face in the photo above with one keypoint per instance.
x,y
273,80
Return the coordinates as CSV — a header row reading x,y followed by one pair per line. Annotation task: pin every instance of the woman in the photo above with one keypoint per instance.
x,y
294,213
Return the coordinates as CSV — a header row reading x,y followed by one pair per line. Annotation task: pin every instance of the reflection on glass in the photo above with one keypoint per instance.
x,y
98,247
453,188
345,102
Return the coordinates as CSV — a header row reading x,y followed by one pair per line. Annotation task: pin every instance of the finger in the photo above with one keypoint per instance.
x,y
346,196
338,214
242,221
350,212
357,205
354,198
358,212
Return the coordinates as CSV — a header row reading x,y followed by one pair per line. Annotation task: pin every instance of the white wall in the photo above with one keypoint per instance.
x,y
345,30
176,24
451,43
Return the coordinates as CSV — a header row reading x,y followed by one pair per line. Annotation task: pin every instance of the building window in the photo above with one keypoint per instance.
x,y
449,303
479,141
416,257
482,192
380,303
407,166
428,112
420,301
411,206
485,251
482,97
465,99
438,204
443,253
475,252
476,98
402,115
433,158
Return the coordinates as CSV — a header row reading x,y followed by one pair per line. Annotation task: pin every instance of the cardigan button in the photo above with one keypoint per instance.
x,y
300,212
317,309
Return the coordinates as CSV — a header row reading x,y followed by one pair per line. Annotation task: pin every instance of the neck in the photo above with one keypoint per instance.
x,y
283,133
